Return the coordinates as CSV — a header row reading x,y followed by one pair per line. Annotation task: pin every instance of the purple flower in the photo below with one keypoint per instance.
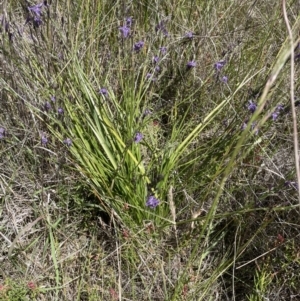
x,y
244,125
103,91
157,69
138,46
138,137
125,31
161,27
47,106
155,59
189,35
219,65
152,202
68,142
146,113
291,184
60,111
2,133
275,114
224,79
37,9
279,108
163,49
252,106
53,98
37,22
44,140
191,64
150,77
129,21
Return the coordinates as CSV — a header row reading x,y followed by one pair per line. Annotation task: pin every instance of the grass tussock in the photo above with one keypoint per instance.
x,y
147,150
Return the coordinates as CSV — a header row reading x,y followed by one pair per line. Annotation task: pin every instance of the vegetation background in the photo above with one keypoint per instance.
x,y
147,150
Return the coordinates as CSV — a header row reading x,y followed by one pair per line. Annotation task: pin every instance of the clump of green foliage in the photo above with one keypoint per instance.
x,y
168,124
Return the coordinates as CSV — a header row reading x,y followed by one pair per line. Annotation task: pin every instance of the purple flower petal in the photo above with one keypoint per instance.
x,y
138,46
152,202
191,64
138,137
252,106
103,91
44,140
68,142
189,35
2,132
60,111
219,65
163,49
125,31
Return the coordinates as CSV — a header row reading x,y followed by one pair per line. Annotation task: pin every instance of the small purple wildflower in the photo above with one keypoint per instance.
x,y
53,98
163,49
189,35
125,31
252,106
150,76
146,113
191,64
60,111
129,21
37,9
44,140
103,91
157,69
224,79
138,46
37,22
276,113
152,202
219,65
244,125
291,184
68,142
2,133
155,59
161,27
138,137
47,106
